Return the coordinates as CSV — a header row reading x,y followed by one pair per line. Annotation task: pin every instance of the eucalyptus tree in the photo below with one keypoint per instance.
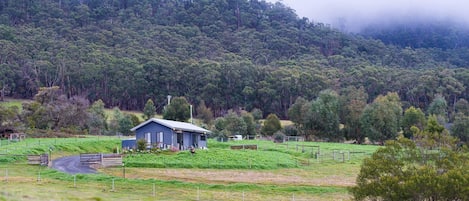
x,y
412,117
353,102
380,120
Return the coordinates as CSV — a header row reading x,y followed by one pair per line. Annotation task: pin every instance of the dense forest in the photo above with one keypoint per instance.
x,y
230,54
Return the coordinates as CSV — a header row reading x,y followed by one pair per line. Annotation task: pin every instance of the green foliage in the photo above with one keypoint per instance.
x,y
248,54
178,110
257,114
248,119
322,120
353,102
404,171
234,124
412,117
141,145
439,107
380,120
98,119
462,106
271,125
460,127
9,117
205,113
149,110
53,110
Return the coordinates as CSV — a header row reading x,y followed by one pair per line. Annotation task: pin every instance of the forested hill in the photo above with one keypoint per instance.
x,y
228,53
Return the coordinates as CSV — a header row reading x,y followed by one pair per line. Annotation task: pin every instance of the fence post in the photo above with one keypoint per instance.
x,y
198,193
112,185
154,190
343,157
6,175
243,195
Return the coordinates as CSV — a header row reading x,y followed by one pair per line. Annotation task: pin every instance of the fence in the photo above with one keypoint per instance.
x,y
107,187
106,160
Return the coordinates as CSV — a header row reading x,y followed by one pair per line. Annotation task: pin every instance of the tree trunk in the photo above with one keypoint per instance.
x,y
2,97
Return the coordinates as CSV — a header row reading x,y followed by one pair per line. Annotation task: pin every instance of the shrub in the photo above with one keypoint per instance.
x,y
141,145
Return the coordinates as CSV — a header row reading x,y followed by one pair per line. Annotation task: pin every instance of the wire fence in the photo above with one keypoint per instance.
x,y
109,187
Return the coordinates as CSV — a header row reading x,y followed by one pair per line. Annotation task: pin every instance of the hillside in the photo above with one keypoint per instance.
x,y
230,53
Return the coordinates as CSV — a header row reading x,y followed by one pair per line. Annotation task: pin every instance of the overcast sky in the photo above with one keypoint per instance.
x,y
356,13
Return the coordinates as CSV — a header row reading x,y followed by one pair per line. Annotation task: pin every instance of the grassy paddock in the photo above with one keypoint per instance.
x,y
268,156
46,184
56,147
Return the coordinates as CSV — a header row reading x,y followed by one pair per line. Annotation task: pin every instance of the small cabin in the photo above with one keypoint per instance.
x,y
167,134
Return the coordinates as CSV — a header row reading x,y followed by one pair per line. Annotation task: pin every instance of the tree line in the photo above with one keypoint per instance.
x,y
229,54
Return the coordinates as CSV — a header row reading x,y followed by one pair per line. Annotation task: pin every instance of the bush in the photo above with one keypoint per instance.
x,y
279,137
141,145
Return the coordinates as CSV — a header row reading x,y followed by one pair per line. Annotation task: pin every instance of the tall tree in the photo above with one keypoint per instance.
x,y
205,113
149,111
98,117
439,108
353,102
412,117
381,119
460,127
323,120
178,110
271,125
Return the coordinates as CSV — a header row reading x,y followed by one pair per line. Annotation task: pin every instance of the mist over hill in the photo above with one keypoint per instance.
x,y
231,54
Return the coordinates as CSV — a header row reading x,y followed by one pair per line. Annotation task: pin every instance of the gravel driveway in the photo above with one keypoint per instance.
x,y
72,165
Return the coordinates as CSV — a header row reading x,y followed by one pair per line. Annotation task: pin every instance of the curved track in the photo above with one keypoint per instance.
x,y
72,165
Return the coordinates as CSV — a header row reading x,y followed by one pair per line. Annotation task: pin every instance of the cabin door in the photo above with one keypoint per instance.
x,y
180,141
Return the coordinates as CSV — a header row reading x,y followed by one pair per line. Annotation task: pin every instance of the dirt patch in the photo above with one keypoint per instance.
x,y
278,177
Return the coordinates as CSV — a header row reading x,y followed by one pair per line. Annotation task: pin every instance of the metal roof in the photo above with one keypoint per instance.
x,y
175,125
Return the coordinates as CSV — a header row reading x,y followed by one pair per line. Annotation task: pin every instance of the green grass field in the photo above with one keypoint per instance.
x,y
218,173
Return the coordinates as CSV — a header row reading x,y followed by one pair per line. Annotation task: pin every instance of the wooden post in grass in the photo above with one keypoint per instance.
x,y
112,185
243,195
198,193
154,190
6,175
343,157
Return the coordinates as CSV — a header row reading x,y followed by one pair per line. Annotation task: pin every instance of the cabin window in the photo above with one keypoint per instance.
x,y
203,138
148,138
160,137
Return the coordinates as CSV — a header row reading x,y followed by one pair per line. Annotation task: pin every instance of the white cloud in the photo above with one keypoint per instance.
x,y
361,12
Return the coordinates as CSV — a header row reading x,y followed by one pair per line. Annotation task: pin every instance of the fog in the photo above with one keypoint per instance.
x,y
351,15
